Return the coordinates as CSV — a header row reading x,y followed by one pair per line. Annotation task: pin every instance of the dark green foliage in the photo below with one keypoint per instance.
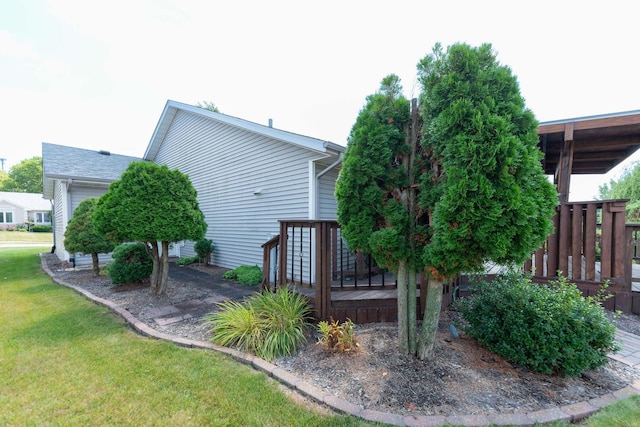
x,y
204,248
187,260
626,187
486,189
551,329
153,205
131,264
150,203
372,217
245,275
40,228
269,324
81,236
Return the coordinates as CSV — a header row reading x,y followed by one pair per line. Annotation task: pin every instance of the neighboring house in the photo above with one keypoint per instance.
x,y
21,208
248,176
71,175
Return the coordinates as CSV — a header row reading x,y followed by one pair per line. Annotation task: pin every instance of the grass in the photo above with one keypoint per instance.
x,y
16,237
66,361
625,413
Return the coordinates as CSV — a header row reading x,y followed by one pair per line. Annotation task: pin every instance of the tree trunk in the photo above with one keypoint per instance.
x,y
96,264
412,321
163,276
155,272
432,309
403,324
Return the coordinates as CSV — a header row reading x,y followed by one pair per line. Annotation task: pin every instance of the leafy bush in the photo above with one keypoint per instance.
x,y
204,248
41,228
269,324
549,328
131,263
245,275
187,260
336,336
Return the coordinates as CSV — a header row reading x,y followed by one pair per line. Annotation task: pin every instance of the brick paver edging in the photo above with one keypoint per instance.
x,y
569,413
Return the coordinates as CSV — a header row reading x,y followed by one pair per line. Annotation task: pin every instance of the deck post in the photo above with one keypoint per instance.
x,y
590,242
323,270
606,243
282,255
576,241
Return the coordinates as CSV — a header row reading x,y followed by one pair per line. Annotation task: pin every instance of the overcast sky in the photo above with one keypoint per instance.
x,y
97,75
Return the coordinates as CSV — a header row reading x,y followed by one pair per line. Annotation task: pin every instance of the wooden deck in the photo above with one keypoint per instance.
x,y
591,244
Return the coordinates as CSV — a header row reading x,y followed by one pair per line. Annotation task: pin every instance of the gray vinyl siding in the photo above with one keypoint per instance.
x,y
226,166
58,223
77,195
327,205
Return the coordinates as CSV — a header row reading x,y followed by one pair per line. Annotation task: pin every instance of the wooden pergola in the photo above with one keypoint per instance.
x,y
587,145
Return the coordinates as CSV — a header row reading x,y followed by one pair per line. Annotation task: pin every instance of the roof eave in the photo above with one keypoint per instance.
x,y
171,108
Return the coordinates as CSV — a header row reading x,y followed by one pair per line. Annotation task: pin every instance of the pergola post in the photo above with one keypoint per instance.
x,y
565,164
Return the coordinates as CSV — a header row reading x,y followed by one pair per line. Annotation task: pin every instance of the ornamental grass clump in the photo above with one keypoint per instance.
x,y
269,324
549,328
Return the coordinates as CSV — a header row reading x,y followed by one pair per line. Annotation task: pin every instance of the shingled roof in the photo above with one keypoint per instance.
x,y
78,164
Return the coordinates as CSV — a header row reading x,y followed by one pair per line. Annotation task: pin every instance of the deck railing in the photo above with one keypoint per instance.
x,y
591,244
311,255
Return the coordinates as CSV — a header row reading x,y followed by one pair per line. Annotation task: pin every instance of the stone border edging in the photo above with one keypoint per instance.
x,y
570,413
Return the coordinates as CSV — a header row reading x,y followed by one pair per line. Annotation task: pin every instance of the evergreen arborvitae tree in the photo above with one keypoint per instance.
x,y
486,192
81,236
461,185
155,206
376,201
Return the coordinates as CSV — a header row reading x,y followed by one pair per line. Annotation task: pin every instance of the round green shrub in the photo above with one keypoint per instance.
x,y
204,248
548,328
131,263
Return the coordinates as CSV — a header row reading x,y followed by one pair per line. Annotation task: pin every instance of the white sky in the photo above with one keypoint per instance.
x,y
97,74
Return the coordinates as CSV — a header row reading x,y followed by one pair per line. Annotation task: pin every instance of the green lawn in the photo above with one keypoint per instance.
x,y
67,361
16,237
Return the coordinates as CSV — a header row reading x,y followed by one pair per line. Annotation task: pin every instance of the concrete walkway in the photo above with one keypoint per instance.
x,y
630,352
629,355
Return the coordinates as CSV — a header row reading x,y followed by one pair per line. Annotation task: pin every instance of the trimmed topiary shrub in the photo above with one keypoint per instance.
x,y
40,229
204,248
245,275
548,328
131,263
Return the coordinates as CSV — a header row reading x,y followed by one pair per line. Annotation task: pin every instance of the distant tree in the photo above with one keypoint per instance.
x,y
626,187
4,178
155,206
208,106
25,177
81,235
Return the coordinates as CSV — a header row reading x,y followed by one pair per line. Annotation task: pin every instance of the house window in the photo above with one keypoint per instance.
x,y
6,217
43,218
